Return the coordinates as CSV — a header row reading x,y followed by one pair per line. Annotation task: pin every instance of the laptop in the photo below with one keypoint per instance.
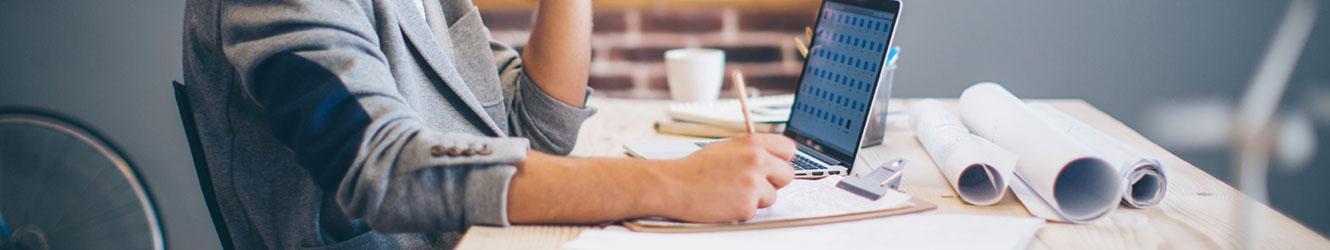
x,y
836,91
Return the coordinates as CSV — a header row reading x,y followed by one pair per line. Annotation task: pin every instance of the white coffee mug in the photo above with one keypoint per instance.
x,y
694,74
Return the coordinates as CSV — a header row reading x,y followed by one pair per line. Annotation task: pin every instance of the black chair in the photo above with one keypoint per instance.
x,y
201,165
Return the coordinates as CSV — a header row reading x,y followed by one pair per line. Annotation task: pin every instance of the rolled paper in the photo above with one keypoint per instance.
x,y
977,169
1143,178
1057,178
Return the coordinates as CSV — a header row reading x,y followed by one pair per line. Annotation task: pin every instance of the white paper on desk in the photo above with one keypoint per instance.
x,y
818,198
977,169
915,231
1144,181
1057,178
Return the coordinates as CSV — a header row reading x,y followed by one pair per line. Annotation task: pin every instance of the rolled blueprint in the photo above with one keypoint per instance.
x,y
977,169
1144,182
1057,178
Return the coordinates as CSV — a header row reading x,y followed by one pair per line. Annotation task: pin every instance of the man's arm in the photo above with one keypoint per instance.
x,y
724,182
559,50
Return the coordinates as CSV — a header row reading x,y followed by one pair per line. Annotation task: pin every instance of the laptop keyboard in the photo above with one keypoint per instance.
x,y
803,163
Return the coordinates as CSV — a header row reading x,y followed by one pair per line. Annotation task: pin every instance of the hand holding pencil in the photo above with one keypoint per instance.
x,y
748,167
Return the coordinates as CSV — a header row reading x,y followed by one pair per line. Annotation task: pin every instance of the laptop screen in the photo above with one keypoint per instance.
x,y
838,82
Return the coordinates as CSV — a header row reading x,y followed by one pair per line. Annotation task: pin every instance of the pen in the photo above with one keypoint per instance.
x,y
742,90
891,55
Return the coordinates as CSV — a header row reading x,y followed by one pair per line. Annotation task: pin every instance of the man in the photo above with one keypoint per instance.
x,y
399,123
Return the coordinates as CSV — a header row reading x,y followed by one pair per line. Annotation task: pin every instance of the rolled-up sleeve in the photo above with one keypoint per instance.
x,y
549,123
316,69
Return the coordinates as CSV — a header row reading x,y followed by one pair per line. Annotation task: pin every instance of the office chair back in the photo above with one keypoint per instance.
x,y
201,165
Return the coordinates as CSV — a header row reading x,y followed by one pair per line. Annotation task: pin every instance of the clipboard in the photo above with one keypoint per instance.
x,y
654,226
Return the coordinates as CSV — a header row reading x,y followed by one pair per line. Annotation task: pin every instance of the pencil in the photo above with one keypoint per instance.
x,y
742,90
803,49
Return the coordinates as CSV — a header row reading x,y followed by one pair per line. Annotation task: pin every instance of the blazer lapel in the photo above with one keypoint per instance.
x,y
435,49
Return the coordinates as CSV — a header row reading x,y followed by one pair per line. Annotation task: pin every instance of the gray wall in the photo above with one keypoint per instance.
x,y
1117,55
1301,193
108,64
1127,58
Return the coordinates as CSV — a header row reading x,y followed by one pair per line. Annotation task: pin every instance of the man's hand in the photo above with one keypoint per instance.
x,y
724,182
728,180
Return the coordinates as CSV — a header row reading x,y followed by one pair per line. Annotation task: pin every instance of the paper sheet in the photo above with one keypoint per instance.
x,y
917,231
818,198
977,169
1057,178
1144,181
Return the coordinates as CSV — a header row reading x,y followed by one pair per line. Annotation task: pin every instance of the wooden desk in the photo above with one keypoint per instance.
x,y
1198,212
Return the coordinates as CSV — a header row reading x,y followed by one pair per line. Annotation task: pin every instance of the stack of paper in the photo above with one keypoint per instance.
x,y
724,118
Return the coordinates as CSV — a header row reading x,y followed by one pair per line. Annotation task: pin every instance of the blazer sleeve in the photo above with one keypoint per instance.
x,y
550,124
328,94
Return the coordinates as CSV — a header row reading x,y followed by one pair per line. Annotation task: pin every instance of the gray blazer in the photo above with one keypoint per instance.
x,y
360,123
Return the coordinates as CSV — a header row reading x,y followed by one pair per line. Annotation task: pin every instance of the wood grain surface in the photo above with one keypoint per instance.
x,y
1198,212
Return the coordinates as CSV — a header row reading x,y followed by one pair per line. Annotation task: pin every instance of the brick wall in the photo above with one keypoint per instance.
x,y
628,46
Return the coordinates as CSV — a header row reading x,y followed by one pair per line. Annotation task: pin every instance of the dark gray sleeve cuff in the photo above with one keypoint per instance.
x,y
550,124
543,102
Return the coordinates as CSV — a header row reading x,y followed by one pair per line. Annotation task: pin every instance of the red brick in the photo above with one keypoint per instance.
x,y
773,84
776,21
507,20
609,22
681,21
638,54
743,54
610,82
658,83
752,54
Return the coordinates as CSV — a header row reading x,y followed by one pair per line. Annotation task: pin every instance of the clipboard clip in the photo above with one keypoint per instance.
x,y
875,184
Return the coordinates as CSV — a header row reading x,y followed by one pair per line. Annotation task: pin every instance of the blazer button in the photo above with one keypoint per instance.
x,y
484,150
436,151
454,151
